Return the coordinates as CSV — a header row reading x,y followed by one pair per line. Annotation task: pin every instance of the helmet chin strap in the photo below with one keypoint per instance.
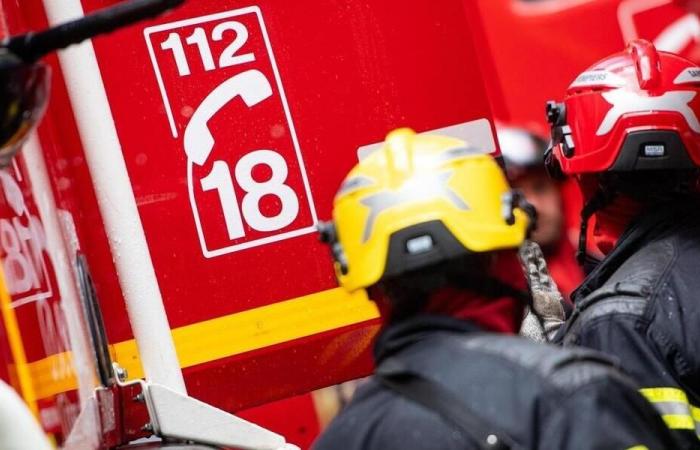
x,y
600,200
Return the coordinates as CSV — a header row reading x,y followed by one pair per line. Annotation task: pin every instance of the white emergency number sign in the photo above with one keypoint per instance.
x,y
225,103
22,243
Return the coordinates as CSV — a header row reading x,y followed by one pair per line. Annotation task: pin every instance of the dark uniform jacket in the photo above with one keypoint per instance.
x,y
541,396
642,305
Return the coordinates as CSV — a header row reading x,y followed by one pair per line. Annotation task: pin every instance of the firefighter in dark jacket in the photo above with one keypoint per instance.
x,y
430,228
629,133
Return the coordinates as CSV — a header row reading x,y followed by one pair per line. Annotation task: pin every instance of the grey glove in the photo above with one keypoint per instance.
x,y
532,328
547,301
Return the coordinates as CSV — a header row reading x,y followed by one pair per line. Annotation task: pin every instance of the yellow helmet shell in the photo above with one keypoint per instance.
x,y
414,179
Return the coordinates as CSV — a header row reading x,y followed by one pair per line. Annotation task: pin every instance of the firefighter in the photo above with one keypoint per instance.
x,y
523,153
628,132
429,227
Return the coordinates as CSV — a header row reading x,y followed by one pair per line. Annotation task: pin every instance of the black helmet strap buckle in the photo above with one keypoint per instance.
x,y
328,235
561,136
513,200
561,131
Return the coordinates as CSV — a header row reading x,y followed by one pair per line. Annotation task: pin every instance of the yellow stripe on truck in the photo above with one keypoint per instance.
x,y
231,335
14,337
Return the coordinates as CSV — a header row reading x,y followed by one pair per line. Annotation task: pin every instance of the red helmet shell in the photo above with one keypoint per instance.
x,y
640,89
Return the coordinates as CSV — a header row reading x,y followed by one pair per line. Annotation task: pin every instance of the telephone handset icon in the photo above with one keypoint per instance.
x,y
252,86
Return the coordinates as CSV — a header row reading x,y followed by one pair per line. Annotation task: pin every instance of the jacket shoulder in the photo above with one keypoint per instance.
x,y
378,419
627,293
554,366
571,384
515,377
641,273
540,369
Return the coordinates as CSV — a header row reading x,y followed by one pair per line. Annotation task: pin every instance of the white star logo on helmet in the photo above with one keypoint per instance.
x,y
413,190
625,102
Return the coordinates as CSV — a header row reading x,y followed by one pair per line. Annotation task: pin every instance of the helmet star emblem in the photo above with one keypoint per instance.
x,y
415,189
625,102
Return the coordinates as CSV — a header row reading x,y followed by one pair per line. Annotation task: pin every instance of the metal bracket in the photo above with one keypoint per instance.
x,y
179,417
121,411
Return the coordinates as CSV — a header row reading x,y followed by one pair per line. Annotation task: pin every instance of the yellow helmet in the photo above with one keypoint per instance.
x,y
417,201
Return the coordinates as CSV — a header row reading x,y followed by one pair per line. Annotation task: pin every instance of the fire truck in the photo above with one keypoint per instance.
x,y
162,279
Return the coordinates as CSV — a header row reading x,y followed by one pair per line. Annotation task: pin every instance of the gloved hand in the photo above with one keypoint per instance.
x,y
547,301
531,327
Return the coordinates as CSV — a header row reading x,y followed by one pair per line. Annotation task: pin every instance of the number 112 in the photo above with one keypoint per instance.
x,y
199,38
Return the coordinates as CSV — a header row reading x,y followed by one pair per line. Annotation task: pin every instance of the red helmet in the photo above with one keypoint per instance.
x,y
635,110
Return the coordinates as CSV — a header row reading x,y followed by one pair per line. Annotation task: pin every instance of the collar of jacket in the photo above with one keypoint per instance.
x,y
400,335
655,223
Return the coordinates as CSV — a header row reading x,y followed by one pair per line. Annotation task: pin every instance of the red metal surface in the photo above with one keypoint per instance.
x,y
5,356
320,361
672,26
133,415
122,415
350,74
294,418
69,176
109,405
57,414
36,301
539,47
42,322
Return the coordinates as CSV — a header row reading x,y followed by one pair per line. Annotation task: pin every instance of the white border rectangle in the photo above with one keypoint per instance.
x,y
300,160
